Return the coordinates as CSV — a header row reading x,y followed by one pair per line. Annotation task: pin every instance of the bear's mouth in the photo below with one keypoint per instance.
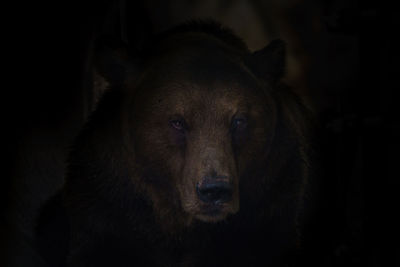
x,y
212,209
214,212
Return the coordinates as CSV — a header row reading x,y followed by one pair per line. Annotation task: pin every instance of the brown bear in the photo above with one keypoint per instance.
x,y
198,158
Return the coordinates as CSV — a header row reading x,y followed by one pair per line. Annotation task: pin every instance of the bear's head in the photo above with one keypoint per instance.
x,y
199,116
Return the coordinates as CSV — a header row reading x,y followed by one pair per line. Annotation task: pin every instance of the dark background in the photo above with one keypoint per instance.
x,y
342,59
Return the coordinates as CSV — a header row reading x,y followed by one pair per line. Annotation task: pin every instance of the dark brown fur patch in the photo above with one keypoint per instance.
x,y
195,114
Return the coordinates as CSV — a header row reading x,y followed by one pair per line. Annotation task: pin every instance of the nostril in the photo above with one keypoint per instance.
x,y
216,192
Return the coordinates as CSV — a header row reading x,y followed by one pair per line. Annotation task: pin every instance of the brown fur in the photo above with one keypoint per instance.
x,y
133,173
208,106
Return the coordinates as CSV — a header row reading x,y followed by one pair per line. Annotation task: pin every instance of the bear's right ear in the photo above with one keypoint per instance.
x,y
270,62
112,60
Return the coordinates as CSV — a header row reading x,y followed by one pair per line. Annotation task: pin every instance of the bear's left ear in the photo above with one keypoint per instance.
x,y
269,62
112,60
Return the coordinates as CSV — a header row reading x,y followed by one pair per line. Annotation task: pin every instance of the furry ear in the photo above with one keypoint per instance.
x,y
111,60
269,62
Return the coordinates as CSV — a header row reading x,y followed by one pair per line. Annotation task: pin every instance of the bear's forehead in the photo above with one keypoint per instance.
x,y
218,102
184,93
215,96
197,74
200,71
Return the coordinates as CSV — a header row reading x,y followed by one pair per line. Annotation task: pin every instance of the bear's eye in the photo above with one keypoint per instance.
x,y
239,123
178,124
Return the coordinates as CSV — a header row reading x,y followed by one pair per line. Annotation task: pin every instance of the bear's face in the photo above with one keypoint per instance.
x,y
201,122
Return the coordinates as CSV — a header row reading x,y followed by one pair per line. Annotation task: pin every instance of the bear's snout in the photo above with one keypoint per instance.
x,y
214,191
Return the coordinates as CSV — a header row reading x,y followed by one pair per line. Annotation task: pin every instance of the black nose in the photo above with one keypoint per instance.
x,y
215,192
